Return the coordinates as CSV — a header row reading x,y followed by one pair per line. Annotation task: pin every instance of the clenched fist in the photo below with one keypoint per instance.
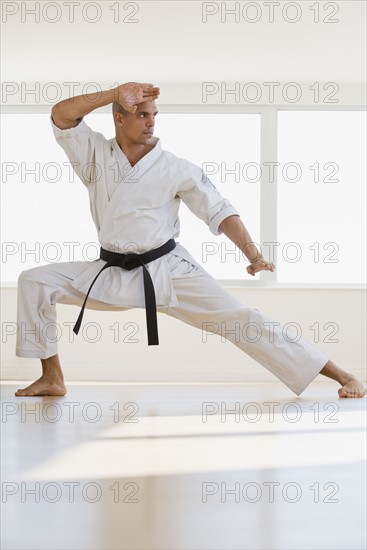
x,y
259,265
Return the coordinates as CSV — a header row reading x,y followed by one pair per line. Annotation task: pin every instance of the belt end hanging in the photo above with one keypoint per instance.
x,y
78,323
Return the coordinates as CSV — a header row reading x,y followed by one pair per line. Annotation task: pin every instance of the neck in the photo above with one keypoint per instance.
x,y
134,151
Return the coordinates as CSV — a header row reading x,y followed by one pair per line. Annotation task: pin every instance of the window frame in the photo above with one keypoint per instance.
x,y
268,190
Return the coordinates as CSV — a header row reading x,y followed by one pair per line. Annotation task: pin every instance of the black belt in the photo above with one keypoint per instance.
x,y
129,262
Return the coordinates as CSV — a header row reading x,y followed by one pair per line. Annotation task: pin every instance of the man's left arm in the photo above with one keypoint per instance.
x,y
205,201
235,230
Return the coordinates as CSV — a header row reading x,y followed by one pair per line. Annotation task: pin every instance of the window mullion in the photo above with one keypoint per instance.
x,y
268,190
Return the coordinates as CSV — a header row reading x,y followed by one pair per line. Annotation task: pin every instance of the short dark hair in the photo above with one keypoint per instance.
x,y
118,108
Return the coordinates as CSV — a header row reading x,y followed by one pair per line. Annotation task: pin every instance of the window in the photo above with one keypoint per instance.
x,y
319,216
321,197
46,208
227,147
45,214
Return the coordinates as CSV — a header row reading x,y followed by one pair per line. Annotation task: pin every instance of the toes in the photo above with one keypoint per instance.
x,y
23,393
351,394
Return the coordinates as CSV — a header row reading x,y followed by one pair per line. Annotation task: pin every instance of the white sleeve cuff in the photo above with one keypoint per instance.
x,y
218,218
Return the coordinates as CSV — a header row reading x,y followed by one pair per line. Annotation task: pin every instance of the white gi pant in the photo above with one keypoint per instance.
x,y
202,303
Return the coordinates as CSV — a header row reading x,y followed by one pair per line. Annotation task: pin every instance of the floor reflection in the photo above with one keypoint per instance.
x,y
167,478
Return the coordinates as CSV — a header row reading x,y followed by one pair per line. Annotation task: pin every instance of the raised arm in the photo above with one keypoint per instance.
x,y
234,229
69,112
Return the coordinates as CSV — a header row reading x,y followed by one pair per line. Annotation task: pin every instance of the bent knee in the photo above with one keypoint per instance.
x,y
35,275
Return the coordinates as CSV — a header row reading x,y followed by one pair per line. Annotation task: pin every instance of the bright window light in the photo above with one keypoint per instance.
x,y
45,207
321,197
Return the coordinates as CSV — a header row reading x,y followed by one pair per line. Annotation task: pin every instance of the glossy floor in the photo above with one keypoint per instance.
x,y
190,466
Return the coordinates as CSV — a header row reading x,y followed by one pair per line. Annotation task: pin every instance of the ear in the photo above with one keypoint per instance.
x,y
119,119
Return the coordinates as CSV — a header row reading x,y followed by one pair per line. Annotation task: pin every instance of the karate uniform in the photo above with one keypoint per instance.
x,y
135,209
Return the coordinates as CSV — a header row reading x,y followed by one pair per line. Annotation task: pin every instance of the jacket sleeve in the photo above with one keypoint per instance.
x,y
80,144
203,199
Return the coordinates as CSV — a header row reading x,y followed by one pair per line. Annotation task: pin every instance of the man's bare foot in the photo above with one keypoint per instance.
x,y
50,383
353,388
42,386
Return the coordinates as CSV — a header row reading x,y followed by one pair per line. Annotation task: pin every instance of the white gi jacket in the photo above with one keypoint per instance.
x,y
135,209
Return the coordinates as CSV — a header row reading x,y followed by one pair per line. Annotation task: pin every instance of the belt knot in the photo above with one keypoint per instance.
x,y
130,261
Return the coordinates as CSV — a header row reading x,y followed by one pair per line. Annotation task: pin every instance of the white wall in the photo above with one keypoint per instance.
x,y
170,44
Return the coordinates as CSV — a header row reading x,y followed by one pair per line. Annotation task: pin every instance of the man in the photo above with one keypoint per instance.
x,y
135,189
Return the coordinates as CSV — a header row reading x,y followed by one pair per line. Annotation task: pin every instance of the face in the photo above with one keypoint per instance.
x,y
137,128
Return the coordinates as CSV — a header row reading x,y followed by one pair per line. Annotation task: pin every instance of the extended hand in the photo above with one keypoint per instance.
x,y
132,93
260,265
